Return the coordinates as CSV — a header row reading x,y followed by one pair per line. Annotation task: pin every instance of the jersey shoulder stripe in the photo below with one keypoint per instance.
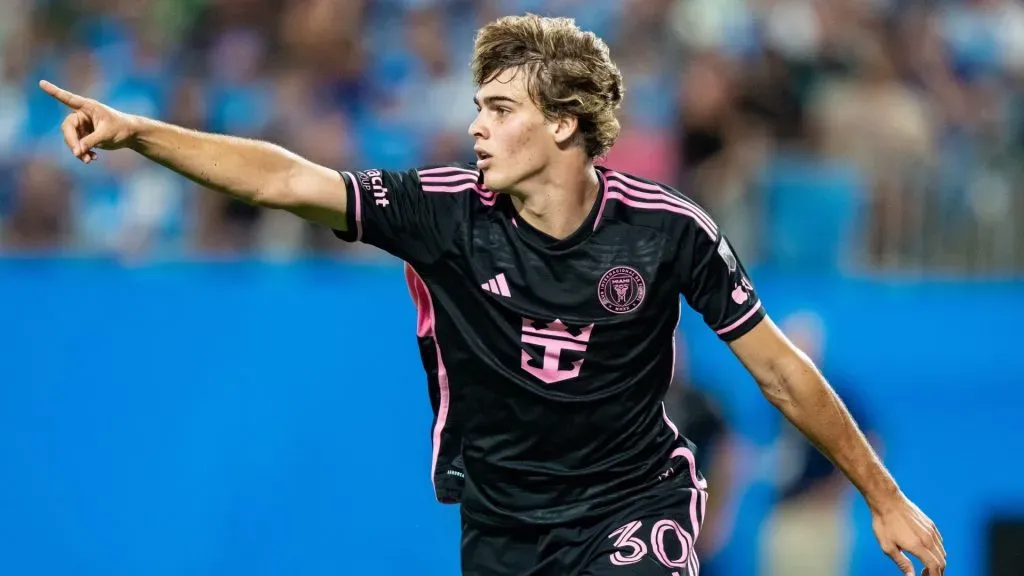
x,y
641,194
453,179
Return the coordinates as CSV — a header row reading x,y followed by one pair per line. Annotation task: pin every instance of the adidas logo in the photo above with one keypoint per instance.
x,y
497,285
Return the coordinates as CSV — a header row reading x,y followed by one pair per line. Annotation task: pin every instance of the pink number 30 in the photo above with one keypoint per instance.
x,y
633,549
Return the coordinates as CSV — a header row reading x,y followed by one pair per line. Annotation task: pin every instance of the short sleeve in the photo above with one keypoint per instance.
x,y
390,210
716,285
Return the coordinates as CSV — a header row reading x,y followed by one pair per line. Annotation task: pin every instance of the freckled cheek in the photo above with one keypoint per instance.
x,y
524,144
523,139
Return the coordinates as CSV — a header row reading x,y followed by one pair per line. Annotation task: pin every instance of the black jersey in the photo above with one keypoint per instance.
x,y
554,355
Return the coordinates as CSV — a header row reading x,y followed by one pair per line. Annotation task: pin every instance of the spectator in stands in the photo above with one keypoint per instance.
x,y
790,118
39,212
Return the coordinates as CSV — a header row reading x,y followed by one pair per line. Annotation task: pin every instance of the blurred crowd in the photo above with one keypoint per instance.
x,y
825,135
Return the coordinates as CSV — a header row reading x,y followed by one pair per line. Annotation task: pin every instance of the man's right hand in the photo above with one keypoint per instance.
x,y
91,124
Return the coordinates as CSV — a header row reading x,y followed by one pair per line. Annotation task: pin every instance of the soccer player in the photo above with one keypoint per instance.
x,y
554,289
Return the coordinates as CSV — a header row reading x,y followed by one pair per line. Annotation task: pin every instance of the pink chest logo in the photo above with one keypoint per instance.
x,y
621,290
552,340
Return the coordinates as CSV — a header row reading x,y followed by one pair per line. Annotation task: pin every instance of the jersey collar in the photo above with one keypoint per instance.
x,y
542,240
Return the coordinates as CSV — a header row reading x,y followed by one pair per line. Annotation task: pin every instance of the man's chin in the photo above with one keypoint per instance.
x,y
492,183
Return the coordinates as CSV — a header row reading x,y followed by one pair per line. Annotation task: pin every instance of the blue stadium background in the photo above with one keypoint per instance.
x,y
259,419
192,387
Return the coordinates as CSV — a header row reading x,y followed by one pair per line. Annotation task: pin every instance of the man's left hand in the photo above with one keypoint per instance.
x,y
901,527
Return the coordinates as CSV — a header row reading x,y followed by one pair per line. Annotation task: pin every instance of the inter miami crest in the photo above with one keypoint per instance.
x,y
621,290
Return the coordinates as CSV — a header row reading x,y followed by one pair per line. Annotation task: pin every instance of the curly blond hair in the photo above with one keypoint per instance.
x,y
569,72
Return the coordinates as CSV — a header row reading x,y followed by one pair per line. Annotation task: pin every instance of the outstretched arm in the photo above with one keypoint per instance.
x,y
791,382
256,172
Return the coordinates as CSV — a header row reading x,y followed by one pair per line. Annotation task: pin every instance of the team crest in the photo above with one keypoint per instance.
x,y
621,290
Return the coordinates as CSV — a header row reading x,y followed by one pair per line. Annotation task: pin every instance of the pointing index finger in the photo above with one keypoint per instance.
x,y
69,99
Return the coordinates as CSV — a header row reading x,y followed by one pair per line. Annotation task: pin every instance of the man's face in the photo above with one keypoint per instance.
x,y
512,139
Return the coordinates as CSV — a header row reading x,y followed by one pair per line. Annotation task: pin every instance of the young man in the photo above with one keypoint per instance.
x,y
554,291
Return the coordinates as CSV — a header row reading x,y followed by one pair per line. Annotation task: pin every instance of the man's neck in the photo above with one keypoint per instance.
x,y
557,202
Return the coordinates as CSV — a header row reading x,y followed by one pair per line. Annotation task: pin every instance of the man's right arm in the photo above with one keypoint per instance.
x,y
253,171
411,214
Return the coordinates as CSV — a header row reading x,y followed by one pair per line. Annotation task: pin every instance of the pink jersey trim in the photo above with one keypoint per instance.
x,y
740,322
617,191
662,194
426,327
447,180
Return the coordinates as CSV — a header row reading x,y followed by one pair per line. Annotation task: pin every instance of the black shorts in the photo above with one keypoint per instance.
x,y
653,536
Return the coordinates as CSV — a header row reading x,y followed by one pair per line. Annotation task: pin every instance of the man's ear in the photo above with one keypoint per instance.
x,y
564,129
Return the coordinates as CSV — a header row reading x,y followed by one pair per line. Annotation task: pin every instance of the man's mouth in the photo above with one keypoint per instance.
x,y
482,158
